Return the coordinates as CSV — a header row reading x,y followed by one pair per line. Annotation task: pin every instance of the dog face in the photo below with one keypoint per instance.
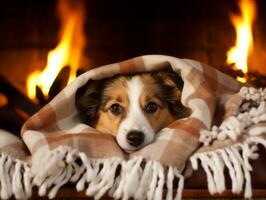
x,y
132,108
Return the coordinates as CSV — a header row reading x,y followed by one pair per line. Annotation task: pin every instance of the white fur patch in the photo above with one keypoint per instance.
x,y
135,119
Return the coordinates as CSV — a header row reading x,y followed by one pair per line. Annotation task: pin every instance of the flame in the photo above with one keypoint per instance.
x,y
238,55
68,51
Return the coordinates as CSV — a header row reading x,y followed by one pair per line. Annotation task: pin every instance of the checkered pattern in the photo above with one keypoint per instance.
x,y
56,124
56,148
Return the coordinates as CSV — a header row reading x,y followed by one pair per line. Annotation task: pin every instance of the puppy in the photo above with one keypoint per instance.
x,y
132,108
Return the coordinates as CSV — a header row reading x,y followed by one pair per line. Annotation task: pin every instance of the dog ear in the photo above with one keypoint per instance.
x,y
88,101
172,79
172,85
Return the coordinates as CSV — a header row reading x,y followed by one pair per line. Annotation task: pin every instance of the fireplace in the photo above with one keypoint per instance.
x,y
199,30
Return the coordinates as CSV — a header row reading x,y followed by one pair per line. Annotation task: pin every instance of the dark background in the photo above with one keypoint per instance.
x,y
118,30
115,31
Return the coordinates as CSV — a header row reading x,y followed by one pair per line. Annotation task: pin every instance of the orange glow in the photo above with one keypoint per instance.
x,y
67,52
238,55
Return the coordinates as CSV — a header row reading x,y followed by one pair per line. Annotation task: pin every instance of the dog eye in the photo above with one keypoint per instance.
x,y
116,109
151,107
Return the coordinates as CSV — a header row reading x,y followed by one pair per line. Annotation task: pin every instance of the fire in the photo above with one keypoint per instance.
x,y
238,55
67,52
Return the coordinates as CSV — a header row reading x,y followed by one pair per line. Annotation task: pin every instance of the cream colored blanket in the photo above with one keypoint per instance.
x,y
228,120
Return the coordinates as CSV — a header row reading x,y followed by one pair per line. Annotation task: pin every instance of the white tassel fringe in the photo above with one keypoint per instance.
x,y
235,126
138,178
235,158
15,178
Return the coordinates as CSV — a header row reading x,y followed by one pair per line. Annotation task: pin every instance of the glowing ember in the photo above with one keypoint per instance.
x,y
238,55
68,51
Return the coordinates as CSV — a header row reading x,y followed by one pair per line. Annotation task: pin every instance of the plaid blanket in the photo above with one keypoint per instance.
x,y
56,148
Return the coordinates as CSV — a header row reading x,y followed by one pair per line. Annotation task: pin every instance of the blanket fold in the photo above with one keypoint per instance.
x,y
229,122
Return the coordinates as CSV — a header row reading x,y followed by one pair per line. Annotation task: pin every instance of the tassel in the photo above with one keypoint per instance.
x,y
50,165
81,183
247,190
119,190
132,179
153,183
234,126
248,186
205,164
17,182
169,184
180,184
218,170
27,177
77,172
159,189
238,170
5,178
109,178
194,161
90,172
114,187
144,181
230,167
60,181
104,179
97,182
47,183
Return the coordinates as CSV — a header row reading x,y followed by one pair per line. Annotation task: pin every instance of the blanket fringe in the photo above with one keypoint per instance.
x,y
138,178
15,178
120,179
234,126
235,158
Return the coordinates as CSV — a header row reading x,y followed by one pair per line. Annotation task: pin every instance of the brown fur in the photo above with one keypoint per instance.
x,y
95,99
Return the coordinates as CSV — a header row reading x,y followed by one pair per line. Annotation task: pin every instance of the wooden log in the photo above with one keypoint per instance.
x,y
59,83
40,96
12,119
231,71
253,78
256,79
16,97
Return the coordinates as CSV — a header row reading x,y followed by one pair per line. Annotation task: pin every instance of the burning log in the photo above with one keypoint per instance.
x,y
40,96
60,82
16,107
11,119
252,78
40,91
256,79
16,97
232,71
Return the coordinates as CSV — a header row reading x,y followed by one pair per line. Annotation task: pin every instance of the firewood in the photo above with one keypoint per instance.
x,y
253,78
59,83
256,79
16,97
230,70
12,119
40,96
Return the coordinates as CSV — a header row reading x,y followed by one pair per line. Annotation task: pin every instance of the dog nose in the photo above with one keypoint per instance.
x,y
135,138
